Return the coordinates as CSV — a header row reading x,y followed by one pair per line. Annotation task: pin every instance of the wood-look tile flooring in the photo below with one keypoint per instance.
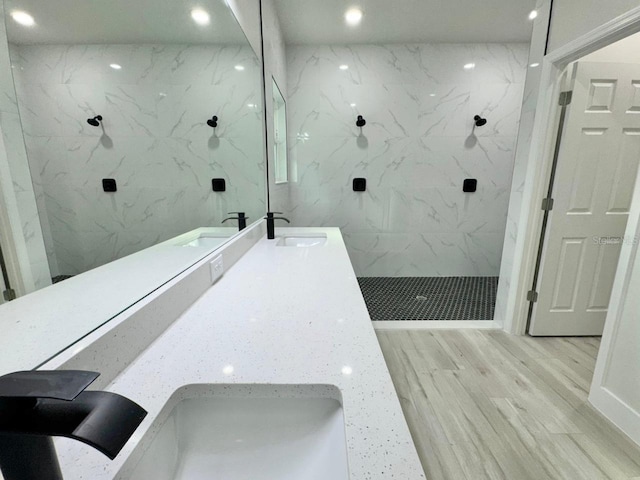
x,y
487,405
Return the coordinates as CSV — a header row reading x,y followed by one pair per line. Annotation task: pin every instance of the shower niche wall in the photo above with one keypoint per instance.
x,y
442,108
155,78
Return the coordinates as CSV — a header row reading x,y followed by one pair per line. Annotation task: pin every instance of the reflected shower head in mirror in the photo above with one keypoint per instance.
x,y
213,122
95,121
480,122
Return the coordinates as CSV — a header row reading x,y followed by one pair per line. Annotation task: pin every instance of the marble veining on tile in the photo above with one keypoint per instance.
x,y
418,146
155,143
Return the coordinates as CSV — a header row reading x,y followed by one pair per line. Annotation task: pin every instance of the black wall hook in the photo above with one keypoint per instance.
x,y
95,121
213,121
360,122
480,122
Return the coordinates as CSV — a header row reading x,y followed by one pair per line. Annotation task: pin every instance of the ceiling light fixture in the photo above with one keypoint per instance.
x,y
115,66
533,15
200,16
344,67
23,18
239,68
470,66
353,16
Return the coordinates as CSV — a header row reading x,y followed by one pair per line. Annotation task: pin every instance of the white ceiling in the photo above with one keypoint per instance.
x,y
316,22
122,22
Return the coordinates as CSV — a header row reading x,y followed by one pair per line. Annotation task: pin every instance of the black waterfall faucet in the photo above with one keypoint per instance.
x,y
271,223
213,121
95,121
241,218
360,121
37,405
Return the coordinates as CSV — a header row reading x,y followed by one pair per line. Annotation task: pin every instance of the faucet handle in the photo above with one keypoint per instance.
x,y
240,214
56,384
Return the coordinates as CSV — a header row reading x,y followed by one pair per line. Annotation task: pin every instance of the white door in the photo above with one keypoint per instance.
x,y
594,182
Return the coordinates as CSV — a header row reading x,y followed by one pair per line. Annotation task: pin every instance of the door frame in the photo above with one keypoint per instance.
x,y
541,157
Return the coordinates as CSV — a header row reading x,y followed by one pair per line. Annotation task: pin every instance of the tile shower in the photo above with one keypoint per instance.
x,y
418,146
155,143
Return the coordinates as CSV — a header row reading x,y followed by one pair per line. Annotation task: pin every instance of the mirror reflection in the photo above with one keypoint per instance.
x,y
134,134
127,124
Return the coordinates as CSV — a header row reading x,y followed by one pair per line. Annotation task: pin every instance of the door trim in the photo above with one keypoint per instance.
x,y
540,154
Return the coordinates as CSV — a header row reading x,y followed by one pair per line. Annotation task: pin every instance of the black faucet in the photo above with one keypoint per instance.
x,y
37,405
271,224
242,219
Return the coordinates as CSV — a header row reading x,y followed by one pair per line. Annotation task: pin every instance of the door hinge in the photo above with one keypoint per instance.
x,y
547,204
9,294
532,296
565,98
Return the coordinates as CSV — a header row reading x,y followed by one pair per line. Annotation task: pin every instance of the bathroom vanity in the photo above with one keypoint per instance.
x,y
273,372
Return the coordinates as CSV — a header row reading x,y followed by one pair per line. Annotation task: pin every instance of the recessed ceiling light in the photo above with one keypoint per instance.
x,y
239,68
115,66
23,18
347,370
200,16
344,67
533,15
353,16
534,65
470,66
228,369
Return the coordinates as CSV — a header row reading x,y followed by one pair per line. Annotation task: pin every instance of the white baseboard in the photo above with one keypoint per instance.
x,y
616,411
436,325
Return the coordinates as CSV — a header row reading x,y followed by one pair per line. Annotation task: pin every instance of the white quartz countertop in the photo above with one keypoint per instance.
x,y
281,315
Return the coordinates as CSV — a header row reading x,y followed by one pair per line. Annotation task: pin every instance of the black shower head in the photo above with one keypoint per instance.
x,y
360,122
213,122
480,122
95,121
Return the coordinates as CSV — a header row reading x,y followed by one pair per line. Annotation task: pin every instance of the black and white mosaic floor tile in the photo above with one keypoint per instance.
x,y
429,298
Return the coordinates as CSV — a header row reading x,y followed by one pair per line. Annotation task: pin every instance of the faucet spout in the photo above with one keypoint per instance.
x,y
35,406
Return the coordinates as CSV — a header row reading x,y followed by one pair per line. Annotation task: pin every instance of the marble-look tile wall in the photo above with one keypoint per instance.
x,y
155,143
16,188
418,146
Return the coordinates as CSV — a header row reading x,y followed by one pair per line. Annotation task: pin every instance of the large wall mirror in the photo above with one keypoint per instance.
x,y
131,130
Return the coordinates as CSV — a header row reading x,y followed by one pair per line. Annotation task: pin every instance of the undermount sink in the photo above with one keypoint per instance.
x,y
206,241
302,240
248,438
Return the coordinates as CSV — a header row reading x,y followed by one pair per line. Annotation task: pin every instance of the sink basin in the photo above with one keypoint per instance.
x,y
301,240
206,241
247,438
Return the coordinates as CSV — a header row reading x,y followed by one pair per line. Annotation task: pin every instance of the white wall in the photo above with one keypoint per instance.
x,y
574,18
23,235
510,263
615,389
415,151
155,143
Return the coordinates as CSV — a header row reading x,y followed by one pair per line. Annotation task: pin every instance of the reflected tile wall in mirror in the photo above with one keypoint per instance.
x,y
155,142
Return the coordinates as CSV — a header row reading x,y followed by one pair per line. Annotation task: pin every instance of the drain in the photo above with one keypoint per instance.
x,y
420,298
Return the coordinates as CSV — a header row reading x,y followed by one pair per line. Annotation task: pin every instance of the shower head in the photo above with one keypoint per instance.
x,y
213,122
95,121
360,121
480,122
